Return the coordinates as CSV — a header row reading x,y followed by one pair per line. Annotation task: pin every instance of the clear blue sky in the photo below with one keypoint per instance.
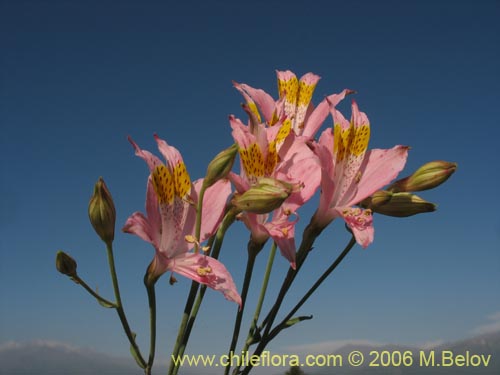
x,y
78,77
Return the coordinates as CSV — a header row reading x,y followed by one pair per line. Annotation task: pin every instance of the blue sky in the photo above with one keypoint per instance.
x,y
78,77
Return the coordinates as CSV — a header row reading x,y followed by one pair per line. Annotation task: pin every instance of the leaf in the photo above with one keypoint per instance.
x,y
103,303
106,304
135,354
294,321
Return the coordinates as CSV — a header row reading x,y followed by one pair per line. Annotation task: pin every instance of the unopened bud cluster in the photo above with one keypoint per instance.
x,y
399,201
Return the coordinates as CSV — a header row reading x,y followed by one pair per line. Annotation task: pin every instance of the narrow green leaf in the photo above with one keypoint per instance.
x,y
135,354
294,321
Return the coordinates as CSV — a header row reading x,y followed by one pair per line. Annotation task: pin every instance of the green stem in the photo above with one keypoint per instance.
x,y
253,250
313,288
194,285
260,301
101,300
311,232
121,313
152,321
189,319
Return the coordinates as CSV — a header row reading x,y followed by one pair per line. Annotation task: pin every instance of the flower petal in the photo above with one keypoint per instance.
x,y
318,116
214,203
139,225
151,160
361,223
208,271
261,98
379,168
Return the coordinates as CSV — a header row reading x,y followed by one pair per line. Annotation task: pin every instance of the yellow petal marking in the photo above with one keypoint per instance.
x,y
350,141
289,89
253,107
252,160
163,184
272,155
182,180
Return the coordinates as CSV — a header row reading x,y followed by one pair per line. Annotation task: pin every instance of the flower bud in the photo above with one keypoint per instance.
x,y
221,165
265,197
102,212
397,204
428,176
65,264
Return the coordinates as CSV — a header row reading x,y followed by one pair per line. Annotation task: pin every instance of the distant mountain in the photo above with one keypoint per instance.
x,y
50,358
422,364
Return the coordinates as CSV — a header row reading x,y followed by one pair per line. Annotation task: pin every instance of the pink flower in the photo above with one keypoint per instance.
x,y
259,149
350,173
271,148
294,102
171,214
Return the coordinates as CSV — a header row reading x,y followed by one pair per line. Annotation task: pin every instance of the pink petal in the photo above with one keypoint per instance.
x,y
171,154
139,225
318,116
240,184
264,101
379,168
151,160
255,224
208,271
240,133
283,233
214,204
152,210
361,223
304,168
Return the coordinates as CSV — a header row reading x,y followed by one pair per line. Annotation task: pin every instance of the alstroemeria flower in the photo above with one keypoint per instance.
x,y
350,173
171,214
259,155
272,149
294,101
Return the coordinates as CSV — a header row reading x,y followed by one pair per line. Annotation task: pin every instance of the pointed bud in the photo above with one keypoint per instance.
x,y
397,204
102,212
65,264
220,166
428,176
265,197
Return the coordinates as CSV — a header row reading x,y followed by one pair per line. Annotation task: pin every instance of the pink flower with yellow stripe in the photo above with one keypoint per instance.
x,y
351,172
170,222
294,102
270,148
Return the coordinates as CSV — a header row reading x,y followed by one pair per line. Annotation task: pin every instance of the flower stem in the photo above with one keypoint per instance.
x,y
313,288
311,232
121,313
150,287
253,250
260,301
194,286
189,319
94,294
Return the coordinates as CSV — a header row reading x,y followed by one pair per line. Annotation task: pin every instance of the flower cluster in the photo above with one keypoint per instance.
x,y
286,156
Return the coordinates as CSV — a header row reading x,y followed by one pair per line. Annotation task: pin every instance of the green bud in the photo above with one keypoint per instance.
x,y
397,204
265,197
221,165
102,213
65,264
428,176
